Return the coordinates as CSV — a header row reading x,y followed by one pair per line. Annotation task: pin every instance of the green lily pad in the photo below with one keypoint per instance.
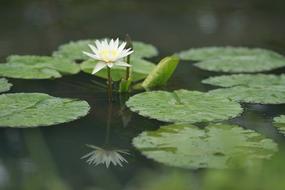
x,y
279,123
183,106
254,94
207,53
37,67
161,73
36,109
140,69
4,85
246,80
73,50
234,59
216,146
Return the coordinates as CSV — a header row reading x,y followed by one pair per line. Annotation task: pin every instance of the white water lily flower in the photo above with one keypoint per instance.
x,y
109,54
103,156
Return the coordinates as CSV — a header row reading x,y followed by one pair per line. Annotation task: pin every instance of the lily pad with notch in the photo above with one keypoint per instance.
x,y
73,50
246,80
37,67
25,110
183,106
4,85
216,146
254,94
234,59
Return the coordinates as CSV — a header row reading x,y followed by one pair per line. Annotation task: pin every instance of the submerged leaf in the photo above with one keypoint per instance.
x,y
279,123
234,59
37,67
140,69
161,73
183,106
4,85
216,146
36,109
254,94
246,80
73,50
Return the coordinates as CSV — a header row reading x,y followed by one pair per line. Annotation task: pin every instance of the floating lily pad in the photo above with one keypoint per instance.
x,y
279,123
73,50
4,85
37,67
161,73
246,80
140,69
207,53
234,59
183,106
254,94
36,109
216,146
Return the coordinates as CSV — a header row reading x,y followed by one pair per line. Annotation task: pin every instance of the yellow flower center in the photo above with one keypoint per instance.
x,y
108,55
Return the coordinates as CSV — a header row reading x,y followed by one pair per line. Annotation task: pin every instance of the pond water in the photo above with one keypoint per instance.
x,y
49,157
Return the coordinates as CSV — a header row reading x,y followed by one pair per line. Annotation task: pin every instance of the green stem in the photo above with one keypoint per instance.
x,y
110,90
128,68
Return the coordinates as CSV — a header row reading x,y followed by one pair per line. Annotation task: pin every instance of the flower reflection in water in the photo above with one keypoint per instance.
x,y
104,156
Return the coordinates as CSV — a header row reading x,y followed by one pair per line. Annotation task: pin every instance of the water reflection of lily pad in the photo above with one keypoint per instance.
x,y
140,69
234,59
183,106
279,123
73,50
245,80
216,146
4,85
37,67
36,109
255,94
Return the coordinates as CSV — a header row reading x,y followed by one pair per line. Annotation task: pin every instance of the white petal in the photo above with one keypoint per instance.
x,y
124,64
98,44
110,65
125,54
99,66
105,44
116,43
93,48
122,46
90,55
111,44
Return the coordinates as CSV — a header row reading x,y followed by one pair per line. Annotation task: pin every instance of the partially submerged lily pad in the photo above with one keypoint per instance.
x,y
183,106
140,69
73,50
216,146
36,109
37,67
234,59
246,80
254,94
4,85
279,123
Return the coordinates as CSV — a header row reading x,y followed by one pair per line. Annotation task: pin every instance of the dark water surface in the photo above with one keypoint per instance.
x,y
49,157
